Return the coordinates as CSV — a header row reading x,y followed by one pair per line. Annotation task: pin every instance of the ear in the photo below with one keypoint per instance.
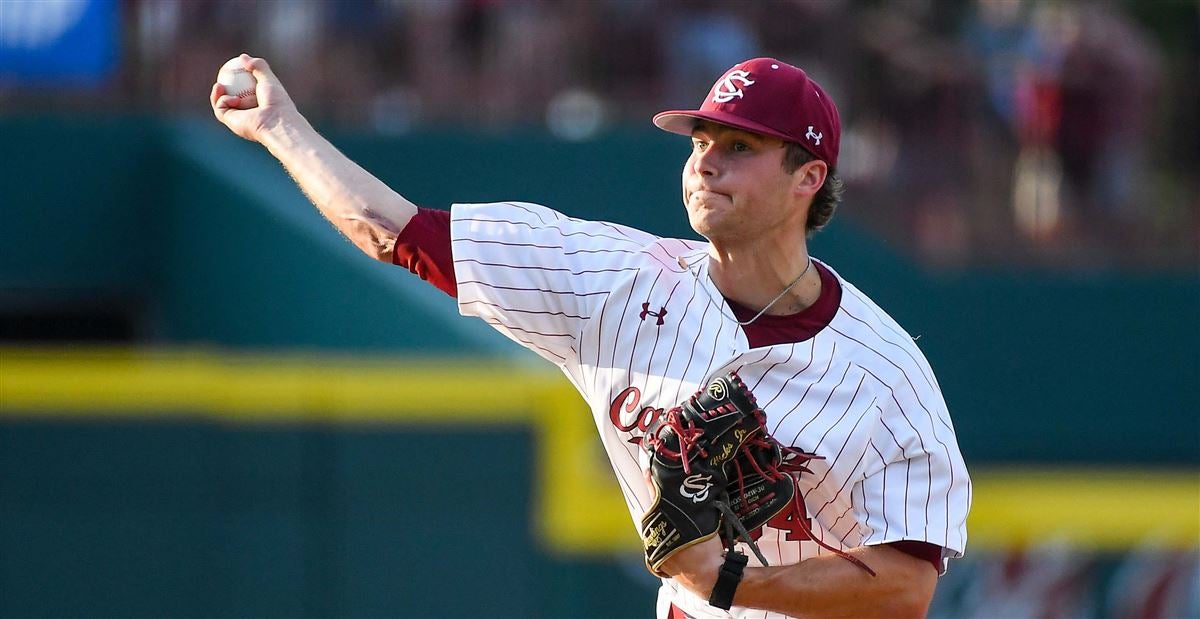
x,y
810,177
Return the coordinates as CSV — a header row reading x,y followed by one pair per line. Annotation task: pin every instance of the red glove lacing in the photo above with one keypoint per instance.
x,y
792,463
688,435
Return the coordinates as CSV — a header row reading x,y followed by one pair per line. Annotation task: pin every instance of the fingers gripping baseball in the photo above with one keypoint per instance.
x,y
248,98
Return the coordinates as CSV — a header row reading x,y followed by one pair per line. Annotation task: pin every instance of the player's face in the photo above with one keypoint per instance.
x,y
734,185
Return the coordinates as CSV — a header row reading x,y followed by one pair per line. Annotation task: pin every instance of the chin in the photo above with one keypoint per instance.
x,y
699,221
716,231
703,233
711,233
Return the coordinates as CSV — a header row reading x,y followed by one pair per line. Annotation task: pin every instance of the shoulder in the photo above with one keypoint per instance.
x,y
507,211
528,215
859,315
878,343
589,240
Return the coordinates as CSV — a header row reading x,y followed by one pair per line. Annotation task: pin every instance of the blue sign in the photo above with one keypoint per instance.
x,y
58,42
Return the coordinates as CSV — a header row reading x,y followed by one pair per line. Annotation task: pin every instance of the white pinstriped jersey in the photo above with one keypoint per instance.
x,y
636,332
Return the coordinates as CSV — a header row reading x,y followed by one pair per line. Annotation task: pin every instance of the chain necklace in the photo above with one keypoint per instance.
x,y
696,276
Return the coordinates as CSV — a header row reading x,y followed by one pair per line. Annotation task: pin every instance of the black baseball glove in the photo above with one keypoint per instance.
x,y
763,483
691,450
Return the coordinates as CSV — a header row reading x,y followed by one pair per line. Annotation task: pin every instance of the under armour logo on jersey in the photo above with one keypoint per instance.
x,y
730,87
662,311
696,487
813,135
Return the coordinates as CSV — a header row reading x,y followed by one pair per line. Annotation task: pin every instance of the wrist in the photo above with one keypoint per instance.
x,y
696,567
283,131
702,579
729,576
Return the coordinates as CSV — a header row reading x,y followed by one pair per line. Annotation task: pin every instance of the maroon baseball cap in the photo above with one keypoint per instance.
x,y
770,97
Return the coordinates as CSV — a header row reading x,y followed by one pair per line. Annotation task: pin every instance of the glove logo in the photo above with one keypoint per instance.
x,y
696,487
717,390
655,535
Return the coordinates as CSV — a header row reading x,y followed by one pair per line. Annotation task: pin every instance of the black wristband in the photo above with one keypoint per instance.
x,y
728,579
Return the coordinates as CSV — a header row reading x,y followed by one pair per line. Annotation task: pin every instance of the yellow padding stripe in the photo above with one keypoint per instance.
x,y
258,388
1100,509
581,509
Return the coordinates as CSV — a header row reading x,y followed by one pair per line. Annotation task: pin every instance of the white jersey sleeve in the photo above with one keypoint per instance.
x,y
537,275
916,485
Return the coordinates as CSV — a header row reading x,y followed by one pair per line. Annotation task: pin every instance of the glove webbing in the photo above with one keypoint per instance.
x,y
732,522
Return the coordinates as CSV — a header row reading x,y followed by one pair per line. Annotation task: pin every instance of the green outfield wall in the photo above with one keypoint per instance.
x,y
212,405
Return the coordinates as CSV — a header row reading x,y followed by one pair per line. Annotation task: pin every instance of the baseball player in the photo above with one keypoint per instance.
x,y
638,323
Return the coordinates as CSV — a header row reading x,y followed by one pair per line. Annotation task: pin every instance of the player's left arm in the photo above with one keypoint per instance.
x,y
823,586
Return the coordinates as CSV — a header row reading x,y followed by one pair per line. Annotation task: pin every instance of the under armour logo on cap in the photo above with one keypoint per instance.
x,y
767,97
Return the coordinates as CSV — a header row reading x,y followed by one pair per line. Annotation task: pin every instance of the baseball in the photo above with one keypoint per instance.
x,y
238,82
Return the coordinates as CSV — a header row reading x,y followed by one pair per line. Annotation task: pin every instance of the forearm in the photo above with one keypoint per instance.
x,y
361,206
821,587
830,586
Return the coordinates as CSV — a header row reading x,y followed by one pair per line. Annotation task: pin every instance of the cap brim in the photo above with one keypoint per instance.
x,y
683,122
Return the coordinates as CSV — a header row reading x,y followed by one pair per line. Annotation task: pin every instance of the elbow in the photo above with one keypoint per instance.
x,y
376,241
894,604
382,256
911,601
379,250
904,587
909,606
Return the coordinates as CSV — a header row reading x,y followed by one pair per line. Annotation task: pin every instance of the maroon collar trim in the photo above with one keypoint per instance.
x,y
770,330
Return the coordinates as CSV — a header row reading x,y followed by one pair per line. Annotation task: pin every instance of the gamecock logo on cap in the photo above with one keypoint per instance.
x,y
730,87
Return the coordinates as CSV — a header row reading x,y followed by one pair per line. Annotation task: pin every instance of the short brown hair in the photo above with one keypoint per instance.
x,y
828,196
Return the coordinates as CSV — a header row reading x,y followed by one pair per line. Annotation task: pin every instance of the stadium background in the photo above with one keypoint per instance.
x,y
210,405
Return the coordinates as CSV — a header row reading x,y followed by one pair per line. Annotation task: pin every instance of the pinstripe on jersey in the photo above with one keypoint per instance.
x,y
636,332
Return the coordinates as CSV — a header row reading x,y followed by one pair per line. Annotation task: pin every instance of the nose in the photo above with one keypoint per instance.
x,y
706,162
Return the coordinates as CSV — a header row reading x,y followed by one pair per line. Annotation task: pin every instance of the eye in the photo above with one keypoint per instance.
x,y
741,147
699,145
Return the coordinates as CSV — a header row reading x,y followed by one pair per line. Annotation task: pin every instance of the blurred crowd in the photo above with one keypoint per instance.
x,y
989,132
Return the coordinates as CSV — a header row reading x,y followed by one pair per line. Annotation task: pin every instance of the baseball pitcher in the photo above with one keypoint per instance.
x,y
782,444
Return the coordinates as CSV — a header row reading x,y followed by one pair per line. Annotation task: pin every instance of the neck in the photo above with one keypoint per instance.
x,y
755,279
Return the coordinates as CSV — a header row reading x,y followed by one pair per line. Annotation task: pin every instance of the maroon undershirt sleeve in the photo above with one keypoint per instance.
x,y
921,550
423,247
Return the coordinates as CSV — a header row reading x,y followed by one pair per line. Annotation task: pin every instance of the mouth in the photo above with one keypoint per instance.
x,y
707,194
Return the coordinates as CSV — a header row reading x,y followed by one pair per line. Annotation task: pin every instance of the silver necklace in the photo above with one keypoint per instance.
x,y
720,308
